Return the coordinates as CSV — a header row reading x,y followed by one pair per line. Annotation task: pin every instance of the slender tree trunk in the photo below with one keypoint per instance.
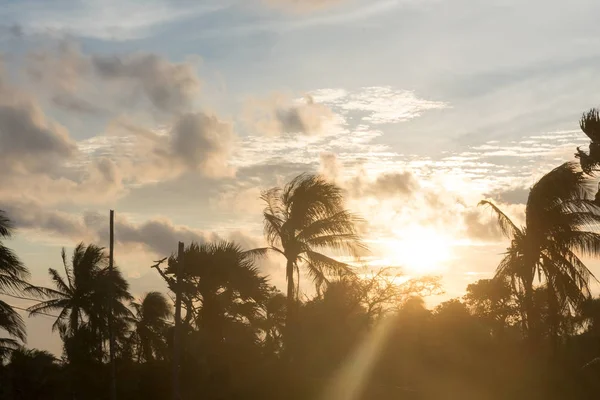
x,y
553,318
291,308
532,325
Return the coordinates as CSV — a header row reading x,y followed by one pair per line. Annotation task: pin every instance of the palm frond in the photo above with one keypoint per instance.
x,y
11,321
583,242
58,281
508,228
43,292
261,252
48,306
7,346
322,268
308,198
590,124
6,225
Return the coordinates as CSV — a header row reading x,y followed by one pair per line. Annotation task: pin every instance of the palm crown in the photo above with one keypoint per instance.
x,y
13,275
560,223
304,218
81,296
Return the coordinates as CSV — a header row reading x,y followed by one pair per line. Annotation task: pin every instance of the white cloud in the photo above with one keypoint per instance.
x,y
382,105
280,115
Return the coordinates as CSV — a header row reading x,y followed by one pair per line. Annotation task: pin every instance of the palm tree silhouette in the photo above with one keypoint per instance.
x,y
590,125
221,286
272,320
150,322
13,275
302,219
82,297
32,375
560,224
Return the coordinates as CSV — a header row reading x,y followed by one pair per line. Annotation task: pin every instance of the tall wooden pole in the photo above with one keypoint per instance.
x,y
111,336
177,333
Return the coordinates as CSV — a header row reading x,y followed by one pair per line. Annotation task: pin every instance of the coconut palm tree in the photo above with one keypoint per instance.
x,y
13,276
81,296
150,322
13,324
561,222
590,125
304,218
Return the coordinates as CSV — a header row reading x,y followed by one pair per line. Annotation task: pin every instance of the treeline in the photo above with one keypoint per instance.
x,y
531,332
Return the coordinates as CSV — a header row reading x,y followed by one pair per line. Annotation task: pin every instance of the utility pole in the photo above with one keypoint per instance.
x,y
111,336
177,333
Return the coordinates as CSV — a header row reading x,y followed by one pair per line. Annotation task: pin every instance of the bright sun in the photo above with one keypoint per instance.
x,y
419,249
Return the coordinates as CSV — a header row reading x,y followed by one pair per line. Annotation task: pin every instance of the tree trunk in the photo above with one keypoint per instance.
x,y
532,326
553,317
291,308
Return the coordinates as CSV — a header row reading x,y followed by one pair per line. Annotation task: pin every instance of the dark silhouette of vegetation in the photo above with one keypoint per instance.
x,y
150,321
13,277
532,331
590,125
302,219
560,218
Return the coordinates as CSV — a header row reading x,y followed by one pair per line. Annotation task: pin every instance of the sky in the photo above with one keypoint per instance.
x,y
177,114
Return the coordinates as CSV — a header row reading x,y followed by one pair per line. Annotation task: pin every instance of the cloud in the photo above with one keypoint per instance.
x,y
388,184
244,201
379,104
279,115
481,223
395,183
74,104
13,31
106,19
65,72
40,160
62,69
170,87
329,166
31,215
517,195
480,226
105,168
196,142
203,142
28,141
302,5
157,235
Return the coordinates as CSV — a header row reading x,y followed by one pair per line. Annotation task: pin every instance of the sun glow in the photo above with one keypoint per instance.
x,y
421,250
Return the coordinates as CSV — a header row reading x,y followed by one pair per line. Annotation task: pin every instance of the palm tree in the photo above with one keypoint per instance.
x,y
33,374
561,220
590,316
302,219
13,275
590,125
272,320
11,322
220,285
81,297
150,321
